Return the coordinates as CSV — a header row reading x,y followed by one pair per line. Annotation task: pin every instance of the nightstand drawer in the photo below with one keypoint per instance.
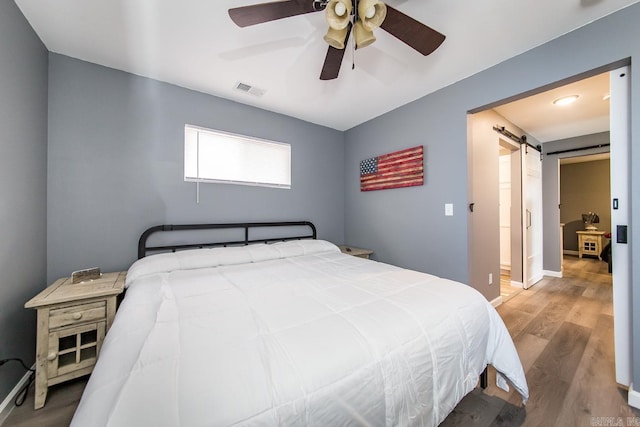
x,y
76,314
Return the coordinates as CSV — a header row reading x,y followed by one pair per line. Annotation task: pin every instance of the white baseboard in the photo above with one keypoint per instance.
x,y
552,273
7,403
497,301
517,284
634,397
536,279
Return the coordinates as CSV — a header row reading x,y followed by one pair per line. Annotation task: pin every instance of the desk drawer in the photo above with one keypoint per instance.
x,y
77,314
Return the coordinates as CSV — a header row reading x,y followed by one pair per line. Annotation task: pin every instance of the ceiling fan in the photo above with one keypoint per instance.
x,y
342,16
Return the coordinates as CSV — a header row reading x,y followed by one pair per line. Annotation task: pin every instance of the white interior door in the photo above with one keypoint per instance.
x,y
531,216
620,216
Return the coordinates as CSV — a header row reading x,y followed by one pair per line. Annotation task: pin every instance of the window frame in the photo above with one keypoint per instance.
x,y
247,141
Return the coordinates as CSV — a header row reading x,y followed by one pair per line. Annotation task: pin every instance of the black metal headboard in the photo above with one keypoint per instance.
x,y
143,248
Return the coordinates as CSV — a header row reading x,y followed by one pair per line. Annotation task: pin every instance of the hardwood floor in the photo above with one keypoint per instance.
x,y
62,400
563,330
507,291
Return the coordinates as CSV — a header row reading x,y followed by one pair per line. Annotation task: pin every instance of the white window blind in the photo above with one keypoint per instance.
x,y
214,156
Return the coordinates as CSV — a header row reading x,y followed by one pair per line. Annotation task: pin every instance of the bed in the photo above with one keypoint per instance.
x,y
290,333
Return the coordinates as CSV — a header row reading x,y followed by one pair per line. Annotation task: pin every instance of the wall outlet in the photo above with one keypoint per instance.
x,y
491,278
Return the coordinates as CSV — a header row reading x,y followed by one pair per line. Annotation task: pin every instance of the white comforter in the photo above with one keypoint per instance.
x,y
291,334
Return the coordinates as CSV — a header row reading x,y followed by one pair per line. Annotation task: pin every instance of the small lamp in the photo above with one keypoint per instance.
x,y
589,219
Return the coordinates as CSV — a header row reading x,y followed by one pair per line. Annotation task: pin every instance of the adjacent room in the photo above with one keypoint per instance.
x,y
335,212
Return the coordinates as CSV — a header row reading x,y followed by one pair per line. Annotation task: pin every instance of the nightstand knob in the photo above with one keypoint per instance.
x,y
77,316
52,356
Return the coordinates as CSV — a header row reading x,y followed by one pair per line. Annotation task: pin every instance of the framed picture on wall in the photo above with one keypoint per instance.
x,y
404,168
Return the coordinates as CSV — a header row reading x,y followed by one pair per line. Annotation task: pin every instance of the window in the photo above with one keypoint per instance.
x,y
213,156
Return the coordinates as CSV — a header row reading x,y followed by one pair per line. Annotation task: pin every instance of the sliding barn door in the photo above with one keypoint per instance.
x,y
620,218
531,215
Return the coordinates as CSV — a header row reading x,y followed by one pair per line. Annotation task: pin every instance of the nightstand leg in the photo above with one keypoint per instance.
x,y
41,385
42,347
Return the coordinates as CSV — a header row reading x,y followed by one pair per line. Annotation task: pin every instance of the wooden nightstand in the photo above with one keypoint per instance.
x,y
361,253
73,320
590,242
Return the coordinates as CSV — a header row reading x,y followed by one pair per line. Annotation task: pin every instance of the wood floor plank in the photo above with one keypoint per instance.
x,y
607,308
548,393
529,349
563,354
515,319
603,293
548,321
62,400
585,312
466,413
594,392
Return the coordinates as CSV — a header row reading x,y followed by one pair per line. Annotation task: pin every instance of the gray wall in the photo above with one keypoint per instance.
x,y
551,187
584,187
484,193
408,227
23,166
116,166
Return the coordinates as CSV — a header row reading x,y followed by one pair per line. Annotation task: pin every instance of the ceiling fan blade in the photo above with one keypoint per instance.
x,y
258,13
417,35
333,60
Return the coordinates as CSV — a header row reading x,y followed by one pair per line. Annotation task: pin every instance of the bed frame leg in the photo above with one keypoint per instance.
x,y
483,378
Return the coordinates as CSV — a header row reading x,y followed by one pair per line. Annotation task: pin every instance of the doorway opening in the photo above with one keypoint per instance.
x,y
613,124
585,191
509,200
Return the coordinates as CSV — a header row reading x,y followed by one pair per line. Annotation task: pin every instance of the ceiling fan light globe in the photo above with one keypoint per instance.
x,y
371,13
335,38
363,36
338,13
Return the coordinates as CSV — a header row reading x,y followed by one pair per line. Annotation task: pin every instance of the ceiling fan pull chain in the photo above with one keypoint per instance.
x,y
354,18
353,54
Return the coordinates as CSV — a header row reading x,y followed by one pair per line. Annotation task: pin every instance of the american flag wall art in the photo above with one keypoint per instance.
x,y
404,168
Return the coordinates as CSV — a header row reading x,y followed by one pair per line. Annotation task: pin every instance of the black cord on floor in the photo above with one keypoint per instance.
x,y
22,393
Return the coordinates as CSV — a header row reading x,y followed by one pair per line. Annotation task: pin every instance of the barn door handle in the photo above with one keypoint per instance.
x,y
471,206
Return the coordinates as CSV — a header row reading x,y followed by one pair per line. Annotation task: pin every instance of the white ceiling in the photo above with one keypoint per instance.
x,y
539,117
194,44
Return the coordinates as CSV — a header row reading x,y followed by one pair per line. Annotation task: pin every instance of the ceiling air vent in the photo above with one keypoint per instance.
x,y
252,90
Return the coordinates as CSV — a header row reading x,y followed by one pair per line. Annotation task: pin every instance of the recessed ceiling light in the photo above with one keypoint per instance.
x,y
566,100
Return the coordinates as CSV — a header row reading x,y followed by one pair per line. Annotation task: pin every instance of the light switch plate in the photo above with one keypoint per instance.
x,y
448,209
